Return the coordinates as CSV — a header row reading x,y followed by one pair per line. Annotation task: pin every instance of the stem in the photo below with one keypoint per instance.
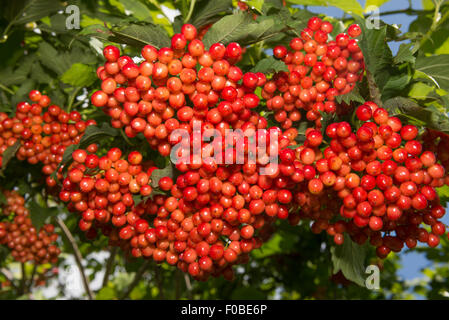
x,y
72,98
4,88
77,254
109,265
126,138
136,279
373,89
189,15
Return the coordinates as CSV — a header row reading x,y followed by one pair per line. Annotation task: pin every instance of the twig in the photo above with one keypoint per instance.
x,y
136,279
9,276
373,89
4,88
160,284
189,14
109,265
188,285
77,254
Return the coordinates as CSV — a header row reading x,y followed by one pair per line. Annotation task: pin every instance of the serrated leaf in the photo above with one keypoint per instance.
x,y
404,54
349,6
240,27
377,54
350,259
39,214
270,65
352,96
209,11
52,59
140,34
136,8
429,116
435,68
79,75
9,153
24,11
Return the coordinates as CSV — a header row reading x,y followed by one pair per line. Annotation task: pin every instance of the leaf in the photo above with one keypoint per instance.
x,y
79,75
443,193
352,96
376,52
39,214
22,11
350,259
139,34
404,54
349,6
429,117
52,59
208,11
376,3
136,8
158,174
435,68
9,153
270,65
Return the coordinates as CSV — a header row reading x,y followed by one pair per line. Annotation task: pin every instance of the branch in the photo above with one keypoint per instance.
x,y
373,89
109,265
136,279
188,286
77,254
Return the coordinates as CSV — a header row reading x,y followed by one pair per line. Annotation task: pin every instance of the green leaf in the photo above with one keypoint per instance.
x,y
209,11
376,3
349,6
9,153
240,27
79,75
52,59
139,34
443,193
352,96
158,174
136,8
24,11
435,68
39,214
350,259
404,54
376,52
270,65
106,293
409,110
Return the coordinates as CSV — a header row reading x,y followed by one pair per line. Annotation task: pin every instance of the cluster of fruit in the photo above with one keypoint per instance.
x,y
44,132
319,70
174,86
18,233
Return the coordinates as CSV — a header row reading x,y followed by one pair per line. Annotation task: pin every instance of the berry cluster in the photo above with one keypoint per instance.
x,y
376,183
101,189
174,86
44,131
319,70
22,238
